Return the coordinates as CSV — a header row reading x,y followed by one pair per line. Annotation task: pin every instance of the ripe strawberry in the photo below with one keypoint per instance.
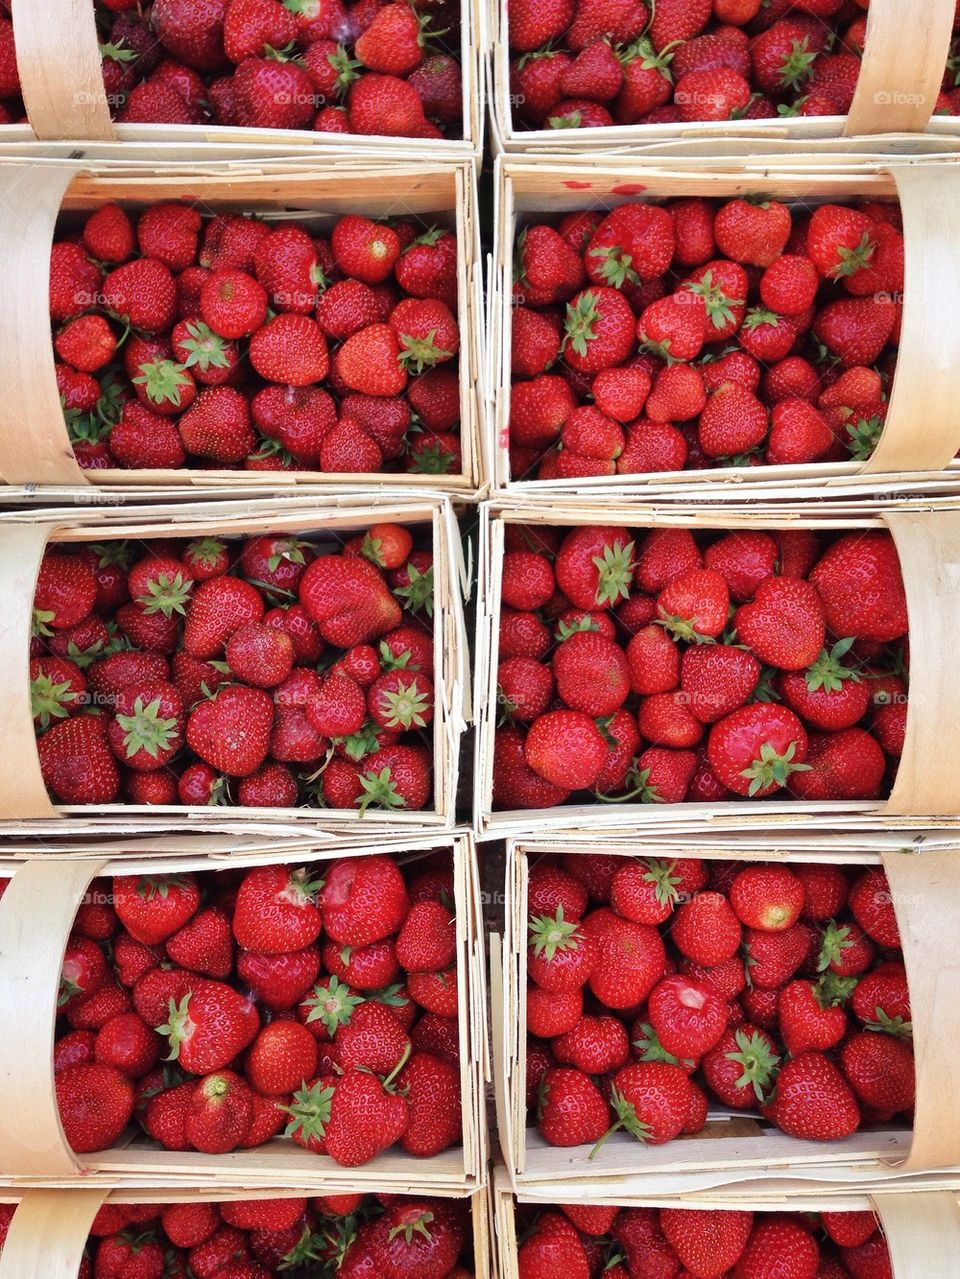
x,y
75,283
717,679
856,330
209,1027
393,42
592,674
231,731
204,944
219,608
651,1100
812,1100
858,579
279,979
753,232
600,330
432,1088
77,764
629,958
687,1015
95,1103
566,748
153,908
810,1015
571,1110
272,94
142,294
784,624
786,1240
275,910
756,749
219,1113
708,1243
694,605
532,25
365,1118
290,349
217,426
553,1248
369,361
717,94
848,764
634,242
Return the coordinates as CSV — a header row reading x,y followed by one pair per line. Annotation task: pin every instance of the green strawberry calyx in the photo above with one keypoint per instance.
x,y
418,593
332,1002
50,701
828,672
887,1025
205,552
581,319
627,1119
162,381
178,1025
639,782
615,574
205,349
660,874
850,261
347,70
757,1061
864,435
406,706
410,1228
773,768
146,730
309,1113
550,933
833,991
167,595
616,266
797,66
309,1248
836,939
649,1048
421,353
301,888
716,301
380,791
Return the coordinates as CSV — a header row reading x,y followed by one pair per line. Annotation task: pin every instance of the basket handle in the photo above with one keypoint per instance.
x,y
34,445
48,1233
36,915
928,543
58,58
900,75
925,889
922,430
922,1231
22,789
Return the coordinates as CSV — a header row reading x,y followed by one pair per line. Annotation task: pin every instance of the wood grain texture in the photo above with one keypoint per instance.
x,y
48,1233
58,57
902,67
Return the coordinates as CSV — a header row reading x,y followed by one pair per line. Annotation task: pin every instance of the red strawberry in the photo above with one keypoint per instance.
x,y
651,1100
848,764
219,1113
209,1027
553,1249
687,1015
77,763
571,1110
532,25
856,330
858,579
276,911
757,748
788,1241
365,1118
708,1243
432,1088
95,1103
754,232
629,958
812,1100
231,731
566,748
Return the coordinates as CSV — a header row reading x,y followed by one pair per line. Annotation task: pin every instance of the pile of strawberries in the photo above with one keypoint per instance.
x,y
699,333
239,342
666,667
579,1240
263,672
659,988
383,67
332,1237
578,64
220,1010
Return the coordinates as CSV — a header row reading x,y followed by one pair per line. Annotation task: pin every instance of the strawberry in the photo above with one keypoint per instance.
x,y
532,25
250,27
76,761
784,624
209,1026
787,1241
708,1243
279,979
592,674
717,94
393,42
856,330
95,1103
633,243
734,421
141,294
571,1110
646,83
552,1249
810,1015
650,1100
219,1113
600,330
363,900
694,605
219,608
290,349
348,600
812,1100
217,426
365,250
231,730
204,944
269,93
275,910
432,1088
629,958
848,764
870,604
566,748
369,361
366,1117
153,908
756,749
688,1016
798,433
753,232
716,679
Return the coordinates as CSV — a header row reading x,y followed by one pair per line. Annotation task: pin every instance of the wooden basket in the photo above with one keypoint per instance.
x,y
927,787
898,85
33,1149
23,794
50,1227
34,445
922,431
58,59
925,887
922,1228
